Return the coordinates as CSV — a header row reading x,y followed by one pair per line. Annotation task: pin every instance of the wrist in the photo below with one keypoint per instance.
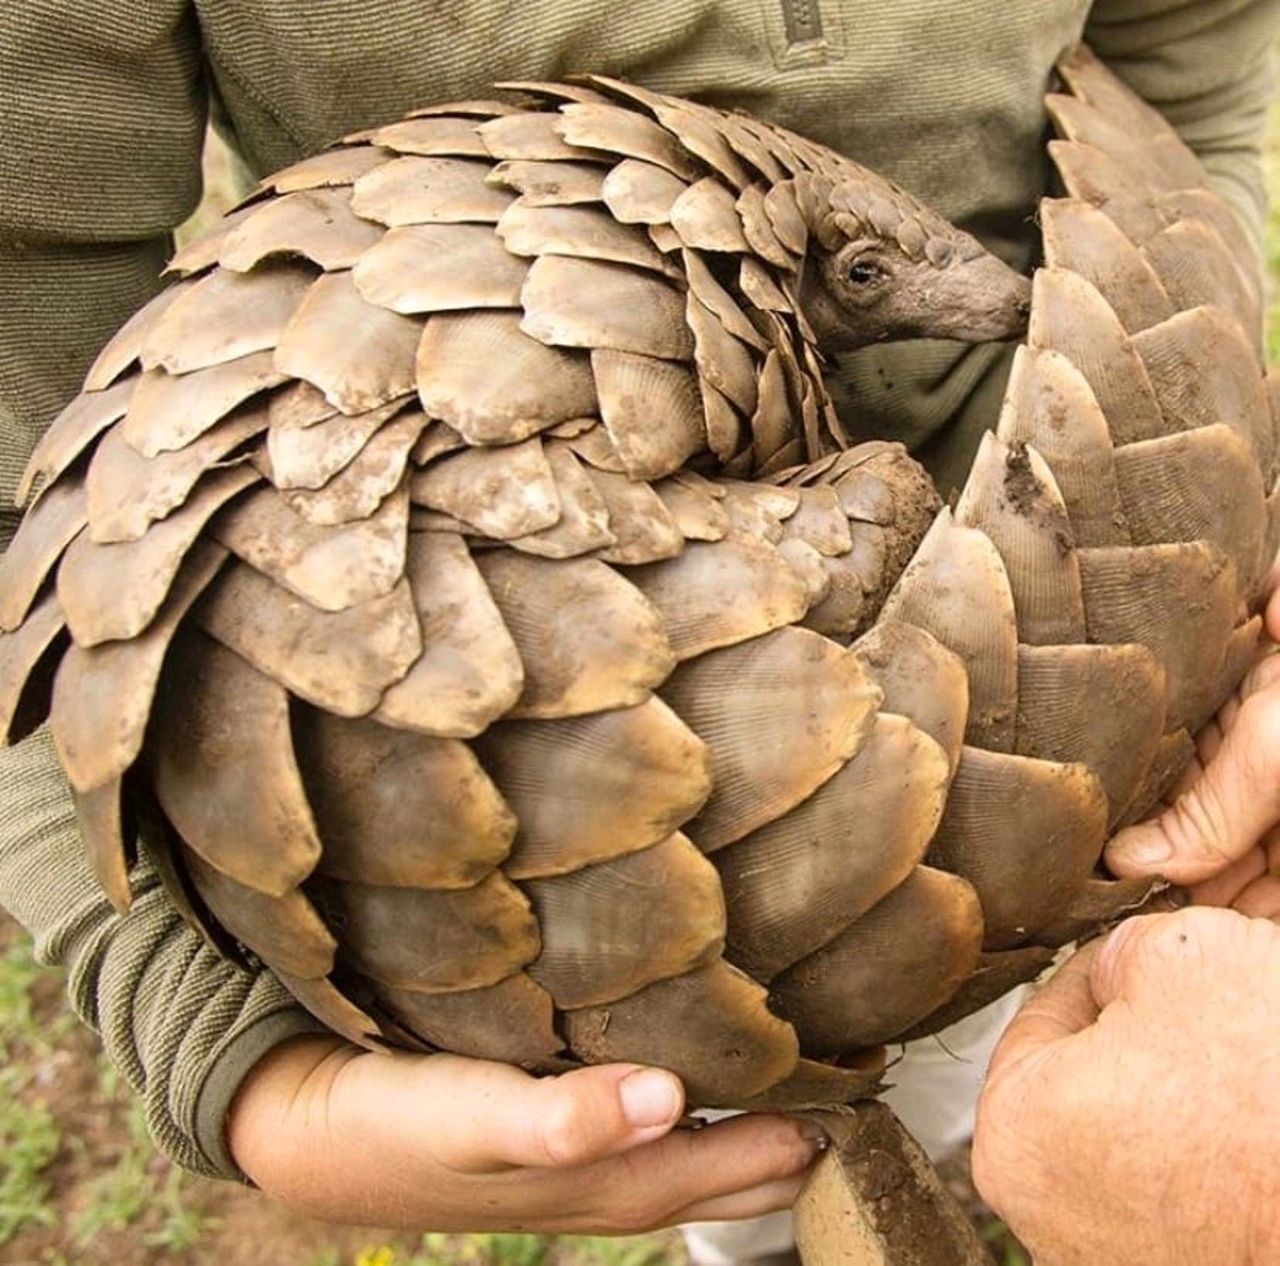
x,y
270,1111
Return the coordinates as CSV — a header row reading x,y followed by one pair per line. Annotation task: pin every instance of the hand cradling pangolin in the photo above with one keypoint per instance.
x,y
461,582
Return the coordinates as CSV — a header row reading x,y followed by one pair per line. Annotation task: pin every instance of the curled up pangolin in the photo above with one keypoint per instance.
x,y
460,582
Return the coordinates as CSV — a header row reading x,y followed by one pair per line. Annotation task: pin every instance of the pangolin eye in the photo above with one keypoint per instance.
x,y
864,272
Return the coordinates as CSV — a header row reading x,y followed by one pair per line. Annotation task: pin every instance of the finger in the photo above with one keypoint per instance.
x,y
769,1197
1064,1007
1209,740
1260,900
1227,885
733,1161
1223,815
1264,673
595,1112
1159,952
490,1117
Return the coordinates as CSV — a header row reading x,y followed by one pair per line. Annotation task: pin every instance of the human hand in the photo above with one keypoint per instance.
x,y
1130,1113
442,1143
1220,836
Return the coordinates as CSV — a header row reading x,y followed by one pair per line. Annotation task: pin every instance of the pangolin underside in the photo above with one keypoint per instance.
x,y
461,582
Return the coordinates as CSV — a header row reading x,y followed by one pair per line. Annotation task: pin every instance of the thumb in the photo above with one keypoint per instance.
x,y
1222,815
1063,1007
1162,959
496,1117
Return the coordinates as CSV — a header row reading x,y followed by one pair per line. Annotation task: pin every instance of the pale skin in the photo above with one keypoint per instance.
x,y
449,1144
1129,1116
1130,1113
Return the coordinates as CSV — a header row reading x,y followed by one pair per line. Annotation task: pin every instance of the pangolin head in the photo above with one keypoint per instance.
x,y
882,266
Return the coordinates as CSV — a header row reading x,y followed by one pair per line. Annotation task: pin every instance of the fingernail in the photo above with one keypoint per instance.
x,y
815,1140
813,1133
1145,849
649,1097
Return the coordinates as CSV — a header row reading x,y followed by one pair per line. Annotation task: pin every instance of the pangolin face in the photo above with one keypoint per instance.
x,y
882,266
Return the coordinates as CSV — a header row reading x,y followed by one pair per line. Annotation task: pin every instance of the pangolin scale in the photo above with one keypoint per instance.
x,y
461,584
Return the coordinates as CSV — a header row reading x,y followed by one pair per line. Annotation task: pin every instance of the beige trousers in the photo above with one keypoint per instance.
x,y
935,1089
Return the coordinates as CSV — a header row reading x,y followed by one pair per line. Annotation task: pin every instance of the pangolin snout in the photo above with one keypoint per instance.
x,y
982,300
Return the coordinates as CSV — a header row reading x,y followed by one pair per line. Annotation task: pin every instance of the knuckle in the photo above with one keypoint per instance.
x,y
1199,824
1190,828
1180,938
563,1131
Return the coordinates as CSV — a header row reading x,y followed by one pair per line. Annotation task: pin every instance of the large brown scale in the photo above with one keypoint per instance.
x,y
431,577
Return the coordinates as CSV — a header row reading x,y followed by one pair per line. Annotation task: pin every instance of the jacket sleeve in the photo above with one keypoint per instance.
x,y
1207,65
102,110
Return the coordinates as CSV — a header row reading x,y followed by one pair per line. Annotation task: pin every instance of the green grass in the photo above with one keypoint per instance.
x,y
29,1144
135,1190
29,1136
999,1239
510,1249
20,1031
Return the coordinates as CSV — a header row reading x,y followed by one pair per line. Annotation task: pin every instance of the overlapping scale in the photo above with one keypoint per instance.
x,y
168,412
898,962
511,1021
71,432
225,770
112,592
795,883
47,529
637,773
711,1027
29,657
610,929
128,492
102,695
317,224
556,572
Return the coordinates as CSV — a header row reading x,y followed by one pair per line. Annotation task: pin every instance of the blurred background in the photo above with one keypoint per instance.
x,y
80,1183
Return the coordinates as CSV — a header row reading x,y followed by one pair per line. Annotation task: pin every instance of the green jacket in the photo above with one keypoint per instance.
x,y
103,105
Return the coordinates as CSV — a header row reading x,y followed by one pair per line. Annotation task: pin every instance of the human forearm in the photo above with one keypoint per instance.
x,y
182,1025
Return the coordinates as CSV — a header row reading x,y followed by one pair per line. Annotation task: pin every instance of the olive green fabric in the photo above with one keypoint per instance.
x,y
102,108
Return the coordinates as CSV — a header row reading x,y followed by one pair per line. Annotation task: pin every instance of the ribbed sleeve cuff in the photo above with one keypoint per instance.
x,y
228,1066
182,1024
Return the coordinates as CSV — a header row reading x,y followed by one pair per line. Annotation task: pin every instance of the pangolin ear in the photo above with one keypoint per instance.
x,y
813,197
835,228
